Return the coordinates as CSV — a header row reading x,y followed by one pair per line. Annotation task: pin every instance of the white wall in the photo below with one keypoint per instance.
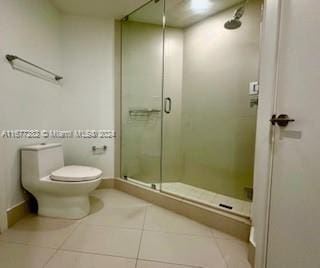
x,y
3,215
31,30
80,49
88,88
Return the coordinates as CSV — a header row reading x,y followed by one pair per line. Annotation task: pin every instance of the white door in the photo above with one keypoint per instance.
x,y
294,222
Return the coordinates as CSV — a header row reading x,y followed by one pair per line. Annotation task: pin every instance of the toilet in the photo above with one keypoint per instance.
x,y
61,191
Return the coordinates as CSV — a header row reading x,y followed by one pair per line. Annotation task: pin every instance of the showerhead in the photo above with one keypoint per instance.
x,y
232,24
235,23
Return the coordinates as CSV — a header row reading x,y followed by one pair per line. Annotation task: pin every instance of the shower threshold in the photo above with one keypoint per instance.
x,y
200,196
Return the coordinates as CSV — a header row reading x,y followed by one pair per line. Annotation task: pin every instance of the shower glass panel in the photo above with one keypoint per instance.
x,y
142,64
189,99
209,121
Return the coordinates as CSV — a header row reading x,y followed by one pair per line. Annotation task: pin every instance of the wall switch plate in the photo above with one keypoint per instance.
x,y
254,88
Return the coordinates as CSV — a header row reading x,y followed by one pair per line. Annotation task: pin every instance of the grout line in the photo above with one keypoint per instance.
x,y
97,254
26,244
177,233
68,236
220,250
50,258
144,221
149,230
63,241
171,263
112,227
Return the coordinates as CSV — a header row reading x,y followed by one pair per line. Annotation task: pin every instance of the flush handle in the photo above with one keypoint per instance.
x,y
282,120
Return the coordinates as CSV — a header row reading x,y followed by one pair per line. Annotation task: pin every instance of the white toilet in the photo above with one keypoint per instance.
x,y
61,191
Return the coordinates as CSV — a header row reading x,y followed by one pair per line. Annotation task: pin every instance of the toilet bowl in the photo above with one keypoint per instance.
x,y
61,191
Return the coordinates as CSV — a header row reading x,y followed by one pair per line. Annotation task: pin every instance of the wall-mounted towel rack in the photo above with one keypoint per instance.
x,y
11,58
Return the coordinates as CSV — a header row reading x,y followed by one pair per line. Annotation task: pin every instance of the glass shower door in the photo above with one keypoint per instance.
x,y
210,116
142,57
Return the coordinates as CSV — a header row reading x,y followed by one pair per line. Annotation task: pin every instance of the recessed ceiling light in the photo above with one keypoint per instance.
x,y
200,5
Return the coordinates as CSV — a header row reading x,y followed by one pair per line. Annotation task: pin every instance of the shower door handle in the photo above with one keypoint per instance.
x,y
167,105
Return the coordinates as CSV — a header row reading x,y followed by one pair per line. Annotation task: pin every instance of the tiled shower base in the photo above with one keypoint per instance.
x,y
211,199
232,205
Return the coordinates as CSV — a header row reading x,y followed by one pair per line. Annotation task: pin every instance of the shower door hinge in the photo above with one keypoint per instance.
x,y
249,192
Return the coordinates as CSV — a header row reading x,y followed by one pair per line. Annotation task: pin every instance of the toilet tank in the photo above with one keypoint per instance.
x,y
38,161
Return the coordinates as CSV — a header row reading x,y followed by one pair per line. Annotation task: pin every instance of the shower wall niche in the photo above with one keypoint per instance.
x,y
188,121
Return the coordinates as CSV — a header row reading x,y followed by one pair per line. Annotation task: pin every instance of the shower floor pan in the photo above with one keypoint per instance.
x,y
208,198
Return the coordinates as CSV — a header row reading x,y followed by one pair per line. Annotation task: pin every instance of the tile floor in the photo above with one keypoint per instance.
x,y
121,232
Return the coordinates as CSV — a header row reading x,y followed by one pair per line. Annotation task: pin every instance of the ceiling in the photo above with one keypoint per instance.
x,y
98,8
179,13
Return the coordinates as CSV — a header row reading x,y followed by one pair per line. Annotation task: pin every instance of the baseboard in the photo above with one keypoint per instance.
x,y
252,248
234,225
106,183
18,212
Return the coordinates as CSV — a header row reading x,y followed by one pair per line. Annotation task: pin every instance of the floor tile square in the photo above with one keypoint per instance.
x,y
14,255
181,249
104,240
222,235
160,219
67,259
235,253
124,217
116,199
40,231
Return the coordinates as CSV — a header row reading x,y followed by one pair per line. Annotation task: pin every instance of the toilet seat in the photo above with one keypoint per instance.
x,y
75,174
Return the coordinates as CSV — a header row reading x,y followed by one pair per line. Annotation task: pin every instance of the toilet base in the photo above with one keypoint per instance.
x,y
66,207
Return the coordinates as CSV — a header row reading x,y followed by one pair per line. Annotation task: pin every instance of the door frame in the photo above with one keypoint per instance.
x,y
263,166
3,197
3,211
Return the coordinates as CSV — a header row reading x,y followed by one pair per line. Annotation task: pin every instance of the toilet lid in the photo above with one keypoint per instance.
x,y
76,174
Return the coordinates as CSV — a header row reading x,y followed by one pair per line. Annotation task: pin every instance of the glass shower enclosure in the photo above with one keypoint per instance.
x,y
189,100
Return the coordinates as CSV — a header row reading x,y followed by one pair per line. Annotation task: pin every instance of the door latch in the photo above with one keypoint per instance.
x,y
282,120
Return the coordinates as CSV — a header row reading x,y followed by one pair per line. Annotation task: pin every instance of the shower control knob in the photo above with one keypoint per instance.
x,y
282,120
